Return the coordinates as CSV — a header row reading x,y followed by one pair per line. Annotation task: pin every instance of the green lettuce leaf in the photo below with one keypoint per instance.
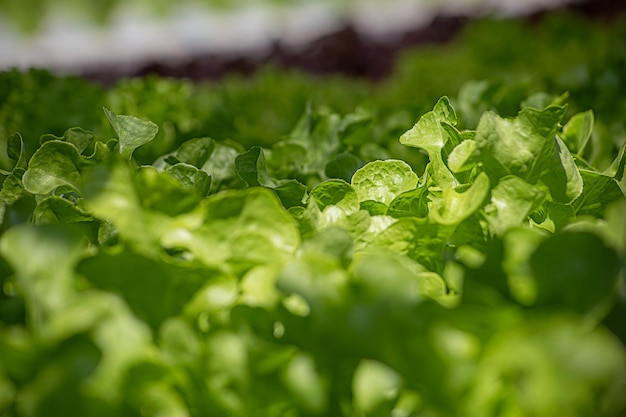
x,y
577,132
80,138
251,169
46,290
382,181
336,193
520,146
575,269
131,131
512,201
55,164
430,135
453,207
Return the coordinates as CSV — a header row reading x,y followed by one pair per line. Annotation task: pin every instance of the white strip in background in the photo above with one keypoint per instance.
x,y
67,43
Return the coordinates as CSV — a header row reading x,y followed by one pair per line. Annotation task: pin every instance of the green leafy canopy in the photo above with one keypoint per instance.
x,y
308,278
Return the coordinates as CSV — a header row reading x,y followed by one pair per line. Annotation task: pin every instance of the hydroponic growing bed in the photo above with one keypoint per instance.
x,y
449,241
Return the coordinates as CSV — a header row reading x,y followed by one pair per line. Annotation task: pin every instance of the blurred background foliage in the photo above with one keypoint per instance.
x,y
491,64
194,341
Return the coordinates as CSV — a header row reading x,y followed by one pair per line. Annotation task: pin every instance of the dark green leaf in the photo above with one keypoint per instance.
x,y
412,203
291,193
196,152
336,192
575,269
374,208
343,166
15,147
250,167
562,176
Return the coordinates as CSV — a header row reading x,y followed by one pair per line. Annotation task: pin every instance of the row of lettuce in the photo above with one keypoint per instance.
x,y
510,61
358,262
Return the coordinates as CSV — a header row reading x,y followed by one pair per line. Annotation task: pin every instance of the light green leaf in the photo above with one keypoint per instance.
x,y
317,132
617,169
78,137
373,384
111,194
179,343
55,164
383,277
395,282
541,100
519,245
460,159
305,383
429,134
152,395
419,239
538,372
241,227
131,131
258,287
46,289
454,206
577,132
512,200
521,146
333,241
221,166
106,319
318,278
383,181
286,159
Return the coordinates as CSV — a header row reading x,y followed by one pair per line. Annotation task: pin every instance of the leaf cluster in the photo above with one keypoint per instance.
x,y
325,251
299,279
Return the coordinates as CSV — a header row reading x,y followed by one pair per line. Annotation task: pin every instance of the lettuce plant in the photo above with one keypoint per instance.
x,y
301,280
